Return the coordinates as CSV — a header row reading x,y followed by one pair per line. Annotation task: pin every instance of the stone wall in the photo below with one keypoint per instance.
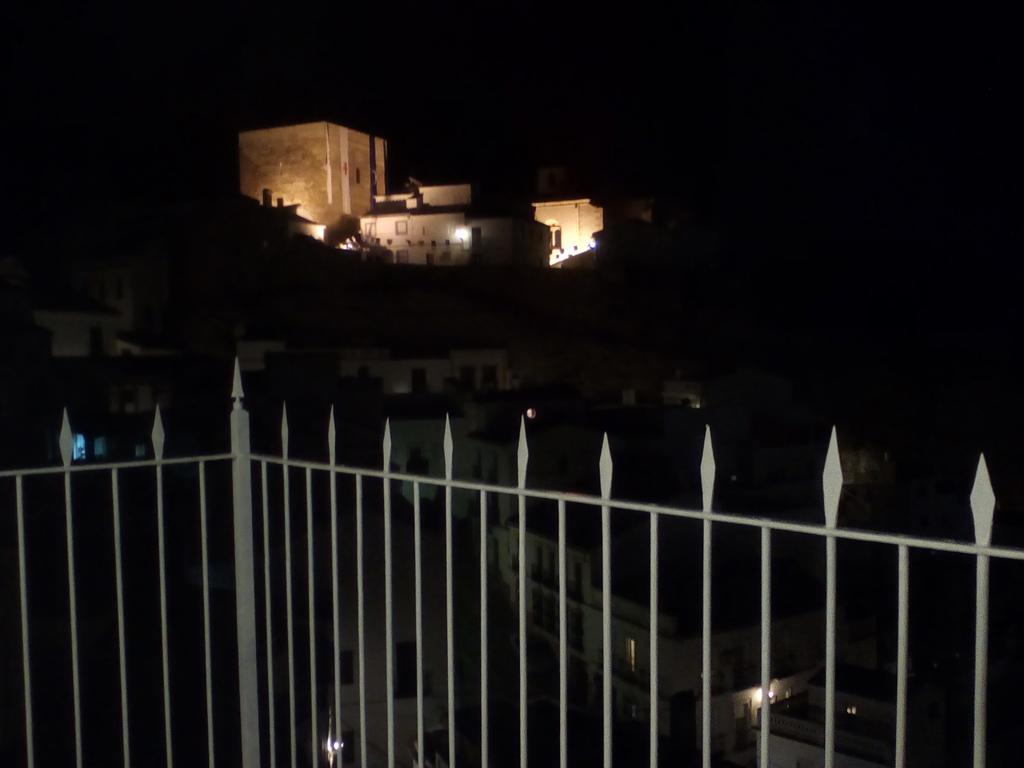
x,y
322,167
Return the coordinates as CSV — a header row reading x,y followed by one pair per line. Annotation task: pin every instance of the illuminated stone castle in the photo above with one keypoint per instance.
x,y
329,171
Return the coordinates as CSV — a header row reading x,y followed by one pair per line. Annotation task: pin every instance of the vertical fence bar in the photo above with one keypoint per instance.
x,y
115,497
65,449
26,668
563,652
449,592
983,502
206,612
335,591
707,485
766,641
653,624
162,551
313,714
484,711
980,660
269,615
605,466
389,662
450,624
360,619
523,455
418,565
830,651
902,627
290,619
705,655
832,484
245,580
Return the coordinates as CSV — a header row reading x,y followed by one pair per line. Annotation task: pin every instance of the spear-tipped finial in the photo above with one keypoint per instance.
x,y
448,448
331,435
236,387
387,444
983,504
157,435
65,440
605,466
284,430
707,470
522,454
832,481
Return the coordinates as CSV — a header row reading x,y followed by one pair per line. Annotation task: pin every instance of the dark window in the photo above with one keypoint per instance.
x,y
538,607
467,376
348,747
419,380
562,464
347,664
359,175
417,464
95,341
364,372
556,237
430,259
446,258
401,227
401,256
490,376
405,670
477,237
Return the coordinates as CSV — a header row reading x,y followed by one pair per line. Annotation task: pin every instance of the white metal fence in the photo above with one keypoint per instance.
x,y
258,742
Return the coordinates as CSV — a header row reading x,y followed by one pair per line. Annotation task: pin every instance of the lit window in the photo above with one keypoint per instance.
x,y
851,710
99,447
140,450
631,653
531,413
401,227
78,451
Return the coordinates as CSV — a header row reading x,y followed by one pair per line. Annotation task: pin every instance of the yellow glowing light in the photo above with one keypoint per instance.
x,y
461,234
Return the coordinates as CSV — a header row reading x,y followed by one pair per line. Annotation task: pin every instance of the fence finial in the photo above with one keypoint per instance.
x,y
331,434
983,504
65,439
523,454
157,435
387,445
284,430
236,387
707,470
605,466
832,481
448,448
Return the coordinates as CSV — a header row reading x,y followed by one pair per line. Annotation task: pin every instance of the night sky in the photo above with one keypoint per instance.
x,y
817,122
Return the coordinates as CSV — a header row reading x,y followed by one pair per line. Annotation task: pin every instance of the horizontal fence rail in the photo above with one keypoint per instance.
x,y
264,660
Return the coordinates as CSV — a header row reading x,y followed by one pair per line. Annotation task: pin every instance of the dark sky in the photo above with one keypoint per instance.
x,y
819,120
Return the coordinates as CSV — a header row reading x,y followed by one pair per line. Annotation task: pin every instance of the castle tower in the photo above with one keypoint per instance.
x,y
329,171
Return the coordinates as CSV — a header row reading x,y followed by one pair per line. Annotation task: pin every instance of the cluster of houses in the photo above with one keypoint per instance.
x,y
335,178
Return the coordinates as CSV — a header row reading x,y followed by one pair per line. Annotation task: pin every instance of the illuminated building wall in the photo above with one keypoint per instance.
x,y
329,171
572,224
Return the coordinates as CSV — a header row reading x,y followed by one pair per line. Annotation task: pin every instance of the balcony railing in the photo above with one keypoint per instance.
x,y
258,667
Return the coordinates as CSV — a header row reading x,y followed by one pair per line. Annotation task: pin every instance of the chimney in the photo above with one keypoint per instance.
x,y
266,198
280,202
